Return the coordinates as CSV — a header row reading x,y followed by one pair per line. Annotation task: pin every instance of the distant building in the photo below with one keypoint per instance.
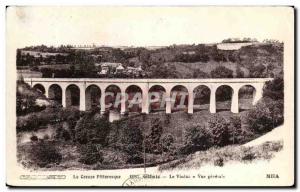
x,y
120,69
84,47
233,46
134,70
189,52
107,67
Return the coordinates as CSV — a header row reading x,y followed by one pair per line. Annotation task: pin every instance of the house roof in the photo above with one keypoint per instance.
x,y
105,64
120,67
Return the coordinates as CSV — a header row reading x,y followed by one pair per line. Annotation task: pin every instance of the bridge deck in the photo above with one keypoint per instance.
x,y
116,80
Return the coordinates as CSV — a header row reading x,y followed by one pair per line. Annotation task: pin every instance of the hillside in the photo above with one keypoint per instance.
x,y
176,61
268,147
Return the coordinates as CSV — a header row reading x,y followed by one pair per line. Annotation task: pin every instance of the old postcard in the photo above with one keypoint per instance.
x,y
150,96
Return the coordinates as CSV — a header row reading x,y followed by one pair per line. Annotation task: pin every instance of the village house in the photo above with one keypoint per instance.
x,y
108,68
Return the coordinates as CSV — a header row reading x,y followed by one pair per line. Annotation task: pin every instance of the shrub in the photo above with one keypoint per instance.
x,y
257,71
235,132
266,115
274,89
90,154
135,155
44,153
200,74
46,137
167,119
219,162
219,130
196,138
91,128
66,135
126,135
34,138
239,73
221,72
153,139
167,142
248,154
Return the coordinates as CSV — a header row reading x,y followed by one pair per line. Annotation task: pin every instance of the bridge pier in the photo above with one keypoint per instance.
x,y
123,101
102,103
258,93
191,101
145,101
63,97
82,99
212,102
235,100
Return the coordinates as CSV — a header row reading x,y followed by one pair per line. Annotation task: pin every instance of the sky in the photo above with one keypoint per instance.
x,y
144,26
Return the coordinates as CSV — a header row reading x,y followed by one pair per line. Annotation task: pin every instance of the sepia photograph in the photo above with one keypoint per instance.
x,y
150,96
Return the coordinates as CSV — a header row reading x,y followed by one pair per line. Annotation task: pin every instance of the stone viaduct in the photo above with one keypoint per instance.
x,y
82,85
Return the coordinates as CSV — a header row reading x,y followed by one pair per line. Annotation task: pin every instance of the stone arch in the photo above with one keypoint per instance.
x,y
92,97
113,97
179,98
72,96
157,96
246,97
224,94
134,97
201,98
55,93
40,88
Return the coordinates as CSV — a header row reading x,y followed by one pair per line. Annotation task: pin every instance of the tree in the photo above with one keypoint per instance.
x,y
274,89
163,71
266,115
90,154
196,138
153,139
239,72
92,129
43,153
200,74
219,130
257,71
221,72
235,132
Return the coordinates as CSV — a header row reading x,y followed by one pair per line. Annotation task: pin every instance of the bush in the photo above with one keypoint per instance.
x,y
219,162
248,154
46,137
221,72
91,128
90,154
239,73
167,119
34,138
26,97
196,138
257,71
219,130
266,115
135,155
152,142
235,132
126,135
274,89
167,142
44,153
